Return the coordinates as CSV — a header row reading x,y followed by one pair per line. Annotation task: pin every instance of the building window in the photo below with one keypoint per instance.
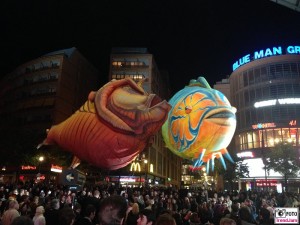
x,y
135,77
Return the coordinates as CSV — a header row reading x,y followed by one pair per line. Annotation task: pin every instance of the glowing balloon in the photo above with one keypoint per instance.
x,y
113,126
200,124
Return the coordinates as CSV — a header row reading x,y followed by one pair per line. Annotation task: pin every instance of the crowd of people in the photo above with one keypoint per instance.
x,y
46,204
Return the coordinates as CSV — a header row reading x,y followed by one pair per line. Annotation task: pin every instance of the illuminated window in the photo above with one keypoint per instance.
x,y
135,77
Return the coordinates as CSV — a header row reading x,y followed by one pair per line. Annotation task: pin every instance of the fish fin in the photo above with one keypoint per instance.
x,y
223,162
75,162
45,142
207,167
92,96
228,156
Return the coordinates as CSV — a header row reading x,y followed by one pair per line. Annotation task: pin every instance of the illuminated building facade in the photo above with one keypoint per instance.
x,y
265,89
157,164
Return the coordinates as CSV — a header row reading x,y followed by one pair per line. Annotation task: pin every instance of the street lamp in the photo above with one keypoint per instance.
x,y
146,168
41,159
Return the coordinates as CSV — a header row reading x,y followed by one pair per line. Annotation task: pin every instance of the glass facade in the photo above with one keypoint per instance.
x,y
266,93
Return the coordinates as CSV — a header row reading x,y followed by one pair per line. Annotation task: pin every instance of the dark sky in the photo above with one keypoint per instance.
x,y
188,38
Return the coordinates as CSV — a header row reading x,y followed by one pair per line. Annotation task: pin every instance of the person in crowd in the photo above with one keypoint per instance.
x,y
264,217
165,219
24,205
51,214
22,220
206,212
195,219
146,217
234,214
133,215
245,216
77,211
178,218
227,221
92,199
112,210
39,218
89,215
34,203
11,213
66,216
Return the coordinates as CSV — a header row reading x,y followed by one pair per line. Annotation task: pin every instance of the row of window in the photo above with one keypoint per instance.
x,y
248,97
267,138
128,64
280,114
135,77
41,78
267,73
36,92
42,65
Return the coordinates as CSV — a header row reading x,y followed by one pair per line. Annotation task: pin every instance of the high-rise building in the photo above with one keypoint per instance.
x,y
162,167
45,91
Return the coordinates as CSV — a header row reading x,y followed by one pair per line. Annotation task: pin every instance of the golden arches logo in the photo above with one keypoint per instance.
x,y
135,167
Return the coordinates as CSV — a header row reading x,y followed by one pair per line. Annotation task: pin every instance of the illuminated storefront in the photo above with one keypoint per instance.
x,y
30,173
265,89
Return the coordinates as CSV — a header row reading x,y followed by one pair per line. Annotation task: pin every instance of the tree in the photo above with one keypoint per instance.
x,y
282,158
235,171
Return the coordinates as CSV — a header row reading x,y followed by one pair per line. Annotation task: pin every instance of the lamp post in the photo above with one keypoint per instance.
x,y
146,170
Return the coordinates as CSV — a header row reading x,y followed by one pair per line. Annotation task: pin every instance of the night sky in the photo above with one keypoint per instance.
x,y
188,38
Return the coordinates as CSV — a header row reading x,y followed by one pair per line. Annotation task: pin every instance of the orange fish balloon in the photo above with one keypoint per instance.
x,y
113,126
200,124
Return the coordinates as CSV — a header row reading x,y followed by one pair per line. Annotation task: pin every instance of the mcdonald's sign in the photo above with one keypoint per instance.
x,y
135,166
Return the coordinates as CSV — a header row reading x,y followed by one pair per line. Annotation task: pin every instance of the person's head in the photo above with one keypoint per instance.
x,y
39,210
146,217
55,204
227,221
112,210
135,208
90,211
13,204
66,216
97,194
22,220
245,213
165,219
77,208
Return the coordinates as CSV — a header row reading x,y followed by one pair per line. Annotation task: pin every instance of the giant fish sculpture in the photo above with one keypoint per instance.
x,y
112,127
200,124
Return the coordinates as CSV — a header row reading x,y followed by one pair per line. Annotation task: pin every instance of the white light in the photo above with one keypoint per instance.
x,y
245,154
256,168
265,103
281,101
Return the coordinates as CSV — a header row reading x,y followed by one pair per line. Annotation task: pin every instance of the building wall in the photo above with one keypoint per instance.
x,y
47,90
139,64
271,79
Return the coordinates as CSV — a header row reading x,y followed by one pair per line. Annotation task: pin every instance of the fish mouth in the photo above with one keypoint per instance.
x,y
153,100
222,116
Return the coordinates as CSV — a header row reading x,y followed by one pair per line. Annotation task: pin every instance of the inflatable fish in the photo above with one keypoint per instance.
x,y
112,127
200,124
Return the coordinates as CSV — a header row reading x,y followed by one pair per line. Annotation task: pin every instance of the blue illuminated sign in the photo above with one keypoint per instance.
x,y
265,53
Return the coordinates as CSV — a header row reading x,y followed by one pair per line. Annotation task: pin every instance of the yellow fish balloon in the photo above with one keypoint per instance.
x,y
200,124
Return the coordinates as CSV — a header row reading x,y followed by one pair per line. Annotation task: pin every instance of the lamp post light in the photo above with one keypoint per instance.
x,y
41,159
